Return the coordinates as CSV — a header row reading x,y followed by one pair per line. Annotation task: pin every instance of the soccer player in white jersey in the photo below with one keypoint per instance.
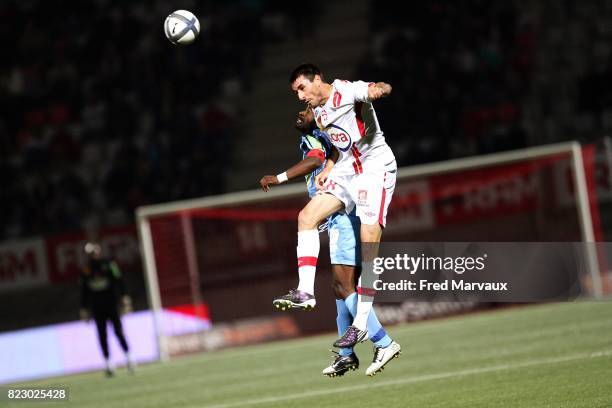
x,y
343,230
362,177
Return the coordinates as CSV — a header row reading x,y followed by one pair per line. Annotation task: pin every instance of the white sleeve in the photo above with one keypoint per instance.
x,y
360,88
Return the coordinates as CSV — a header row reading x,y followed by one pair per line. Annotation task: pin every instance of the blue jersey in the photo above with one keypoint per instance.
x,y
316,140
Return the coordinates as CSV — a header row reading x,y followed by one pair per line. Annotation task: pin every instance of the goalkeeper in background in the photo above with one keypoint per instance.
x,y
104,298
344,254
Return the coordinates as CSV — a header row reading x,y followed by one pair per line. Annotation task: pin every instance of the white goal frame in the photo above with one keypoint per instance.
x,y
143,214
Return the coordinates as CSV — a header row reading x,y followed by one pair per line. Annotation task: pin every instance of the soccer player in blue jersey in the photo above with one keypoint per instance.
x,y
343,230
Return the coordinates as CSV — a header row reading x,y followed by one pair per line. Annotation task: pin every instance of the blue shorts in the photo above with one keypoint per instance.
x,y
344,242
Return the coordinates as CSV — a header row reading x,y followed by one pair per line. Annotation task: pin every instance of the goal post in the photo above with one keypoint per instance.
x,y
146,213
248,236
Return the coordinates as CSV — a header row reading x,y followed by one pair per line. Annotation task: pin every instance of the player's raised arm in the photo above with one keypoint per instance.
x,y
313,153
301,169
379,90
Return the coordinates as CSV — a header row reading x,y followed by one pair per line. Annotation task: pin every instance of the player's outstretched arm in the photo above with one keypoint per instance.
x,y
306,166
379,90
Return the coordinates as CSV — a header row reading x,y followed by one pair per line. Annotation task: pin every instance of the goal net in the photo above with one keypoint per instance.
x,y
222,259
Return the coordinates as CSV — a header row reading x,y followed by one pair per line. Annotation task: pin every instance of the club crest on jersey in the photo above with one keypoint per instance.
x,y
362,197
339,137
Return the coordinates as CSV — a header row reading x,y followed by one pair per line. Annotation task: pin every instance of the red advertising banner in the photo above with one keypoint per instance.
x,y
468,195
517,201
23,264
65,255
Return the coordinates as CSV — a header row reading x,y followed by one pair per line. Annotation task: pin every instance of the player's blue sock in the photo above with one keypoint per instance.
x,y
378,335
343,321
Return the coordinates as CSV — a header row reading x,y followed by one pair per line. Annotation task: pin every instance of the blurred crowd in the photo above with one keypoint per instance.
x,y
460,71
101,114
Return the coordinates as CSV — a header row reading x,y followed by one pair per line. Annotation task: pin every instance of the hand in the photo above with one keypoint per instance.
x,y
84,314
267,181
321,179
126,305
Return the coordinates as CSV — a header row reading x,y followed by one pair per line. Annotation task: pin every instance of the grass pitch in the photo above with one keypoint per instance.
x,y
555,355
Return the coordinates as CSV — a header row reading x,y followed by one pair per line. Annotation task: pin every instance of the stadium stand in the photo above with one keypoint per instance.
x,y
102,117
105,116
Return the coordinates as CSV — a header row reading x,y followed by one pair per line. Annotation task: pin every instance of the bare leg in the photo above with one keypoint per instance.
x,y
343,283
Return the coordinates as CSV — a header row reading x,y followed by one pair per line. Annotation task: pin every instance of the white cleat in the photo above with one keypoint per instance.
x,y
382,356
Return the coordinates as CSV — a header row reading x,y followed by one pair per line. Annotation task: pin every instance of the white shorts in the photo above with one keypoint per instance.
x,y
370,192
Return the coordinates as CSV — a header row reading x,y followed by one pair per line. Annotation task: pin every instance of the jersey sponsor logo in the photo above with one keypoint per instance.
x,y
339,137
337,98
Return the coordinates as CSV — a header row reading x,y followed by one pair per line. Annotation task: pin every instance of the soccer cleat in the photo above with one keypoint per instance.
x,y
109,370
295,299
131,367
341,365
351,336
382,356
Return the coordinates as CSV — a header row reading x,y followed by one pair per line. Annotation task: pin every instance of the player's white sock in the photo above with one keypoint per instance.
x,y
109,365
307,255
131,365
365,297
363,310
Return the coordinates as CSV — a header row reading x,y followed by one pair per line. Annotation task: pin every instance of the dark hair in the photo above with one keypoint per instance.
x,y
307,70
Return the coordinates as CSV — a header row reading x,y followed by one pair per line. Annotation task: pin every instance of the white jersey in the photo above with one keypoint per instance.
x,y
349,119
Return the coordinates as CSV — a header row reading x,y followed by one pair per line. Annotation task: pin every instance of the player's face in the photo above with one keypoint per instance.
x,y
308,91
93,250
305,119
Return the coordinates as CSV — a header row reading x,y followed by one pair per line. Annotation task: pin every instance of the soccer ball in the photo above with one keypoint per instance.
x,y
181,27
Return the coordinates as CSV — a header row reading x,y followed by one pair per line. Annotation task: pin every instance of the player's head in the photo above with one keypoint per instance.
x,y
93,249
307,83
305,121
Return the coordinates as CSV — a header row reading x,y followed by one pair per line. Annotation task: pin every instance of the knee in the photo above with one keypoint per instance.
x,y
306,220
370,233
337,289
340,290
